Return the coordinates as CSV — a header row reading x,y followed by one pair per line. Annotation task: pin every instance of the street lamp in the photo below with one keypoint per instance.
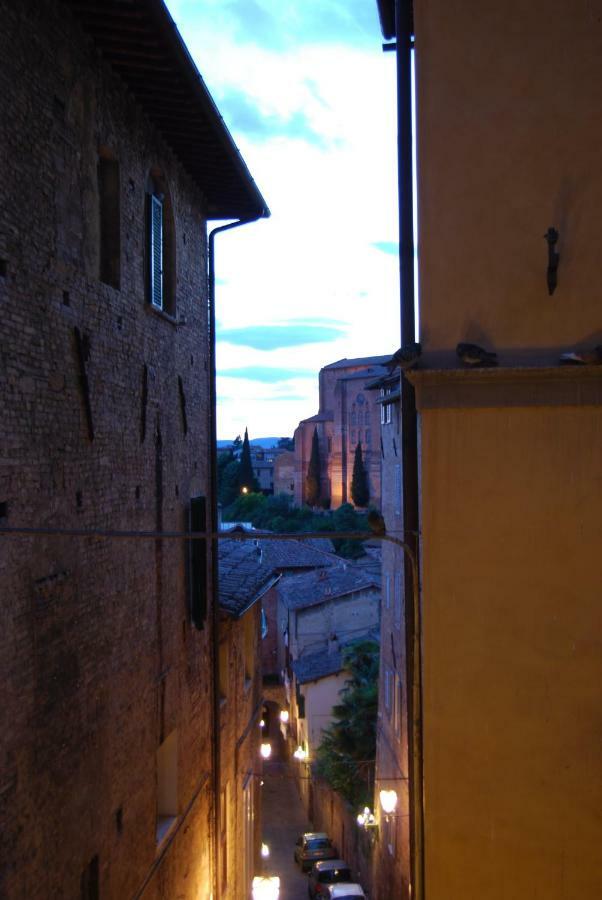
x,y
266,750
388,801
265,851
284,715
300,754
266,887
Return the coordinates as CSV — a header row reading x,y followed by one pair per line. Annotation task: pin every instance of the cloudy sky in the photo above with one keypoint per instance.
x,y
309,98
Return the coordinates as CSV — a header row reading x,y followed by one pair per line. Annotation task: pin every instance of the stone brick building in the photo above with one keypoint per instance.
x,y
391,841
347,415
113,159
244,578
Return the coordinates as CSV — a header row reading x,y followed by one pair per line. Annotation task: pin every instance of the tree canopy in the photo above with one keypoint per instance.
x,y
314,473
360,488
246,476
345,757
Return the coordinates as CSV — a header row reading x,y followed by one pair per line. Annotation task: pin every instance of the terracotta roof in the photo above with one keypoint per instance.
x,y
317,665
243,577
360,361
313,666
313,588
293,554
140,41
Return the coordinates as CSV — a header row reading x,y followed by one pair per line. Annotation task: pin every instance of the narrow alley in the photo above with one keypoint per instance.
x,y
283,819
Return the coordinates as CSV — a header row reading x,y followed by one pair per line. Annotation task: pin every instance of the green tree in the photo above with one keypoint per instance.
x,y
360,489
286,443
313,479
346,754
246,477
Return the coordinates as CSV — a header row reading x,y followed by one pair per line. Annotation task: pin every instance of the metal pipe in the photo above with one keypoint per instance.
x,y
212,545
404,41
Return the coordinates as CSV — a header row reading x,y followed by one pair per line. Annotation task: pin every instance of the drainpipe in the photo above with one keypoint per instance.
x,y
409,439
214,622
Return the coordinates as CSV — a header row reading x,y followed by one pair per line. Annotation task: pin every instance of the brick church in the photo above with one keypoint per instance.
x,y
348,415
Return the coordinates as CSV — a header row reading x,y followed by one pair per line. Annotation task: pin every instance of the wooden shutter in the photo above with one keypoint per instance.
x,y
197,569
156,252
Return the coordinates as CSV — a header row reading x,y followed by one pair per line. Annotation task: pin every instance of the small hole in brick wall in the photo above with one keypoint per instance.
x,y
119,323
191,360
78,499
119,820
3,509
3,268
137,492
177,491
66,298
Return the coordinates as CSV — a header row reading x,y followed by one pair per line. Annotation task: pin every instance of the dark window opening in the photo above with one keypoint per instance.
x,y
3,509
3,268
109,221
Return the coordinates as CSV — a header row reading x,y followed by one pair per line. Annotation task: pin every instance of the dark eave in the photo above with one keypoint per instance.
x,y
386,14
140,41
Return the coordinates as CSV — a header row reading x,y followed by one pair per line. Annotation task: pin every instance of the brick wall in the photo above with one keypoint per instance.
x,y
99,661
391,848
333,815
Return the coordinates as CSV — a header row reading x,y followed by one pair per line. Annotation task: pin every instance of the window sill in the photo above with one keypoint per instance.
x,y
167,317
165,825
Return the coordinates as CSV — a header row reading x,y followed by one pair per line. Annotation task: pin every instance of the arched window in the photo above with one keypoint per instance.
x,y
160,245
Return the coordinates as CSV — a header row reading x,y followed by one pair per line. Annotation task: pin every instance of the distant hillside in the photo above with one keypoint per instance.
x,y
266,442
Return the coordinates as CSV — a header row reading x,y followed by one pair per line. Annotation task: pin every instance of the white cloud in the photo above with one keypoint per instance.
x,y
330,201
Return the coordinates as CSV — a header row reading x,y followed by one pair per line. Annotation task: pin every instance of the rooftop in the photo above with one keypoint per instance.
x,y
293,554
243,577
313,588
140,41
313,666
360,361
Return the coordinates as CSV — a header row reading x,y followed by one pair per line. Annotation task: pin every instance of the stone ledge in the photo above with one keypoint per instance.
x,y
504,387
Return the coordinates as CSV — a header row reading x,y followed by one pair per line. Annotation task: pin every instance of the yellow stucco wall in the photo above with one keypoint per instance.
x,y
511,506
509,143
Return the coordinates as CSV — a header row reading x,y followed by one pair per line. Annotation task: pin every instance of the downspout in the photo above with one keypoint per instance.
x,y
215,737
409,441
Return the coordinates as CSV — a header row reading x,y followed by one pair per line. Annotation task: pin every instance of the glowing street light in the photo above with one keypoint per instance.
x,y
262,723
388,801
366,819
244,490
265,851
266,750
284,715
266,887
300,754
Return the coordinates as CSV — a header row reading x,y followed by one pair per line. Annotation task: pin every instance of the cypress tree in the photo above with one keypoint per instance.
x,y
312,481
360,490
246,478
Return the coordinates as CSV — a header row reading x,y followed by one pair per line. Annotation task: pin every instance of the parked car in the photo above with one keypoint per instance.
x,y
328,871
311,847
345,891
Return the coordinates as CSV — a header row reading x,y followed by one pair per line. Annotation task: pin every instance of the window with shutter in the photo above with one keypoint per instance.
x,y
156,251
197,569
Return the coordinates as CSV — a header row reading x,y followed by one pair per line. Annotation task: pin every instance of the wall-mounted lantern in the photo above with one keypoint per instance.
x,y
388,801
266,750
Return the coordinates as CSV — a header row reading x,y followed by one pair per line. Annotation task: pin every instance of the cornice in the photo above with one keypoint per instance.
x,y
507,387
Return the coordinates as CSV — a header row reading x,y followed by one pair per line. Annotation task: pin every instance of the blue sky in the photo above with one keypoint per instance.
x,y
309,98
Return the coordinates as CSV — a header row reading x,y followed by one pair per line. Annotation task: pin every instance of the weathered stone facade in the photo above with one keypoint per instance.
x,y
390,841
104,421
348,415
